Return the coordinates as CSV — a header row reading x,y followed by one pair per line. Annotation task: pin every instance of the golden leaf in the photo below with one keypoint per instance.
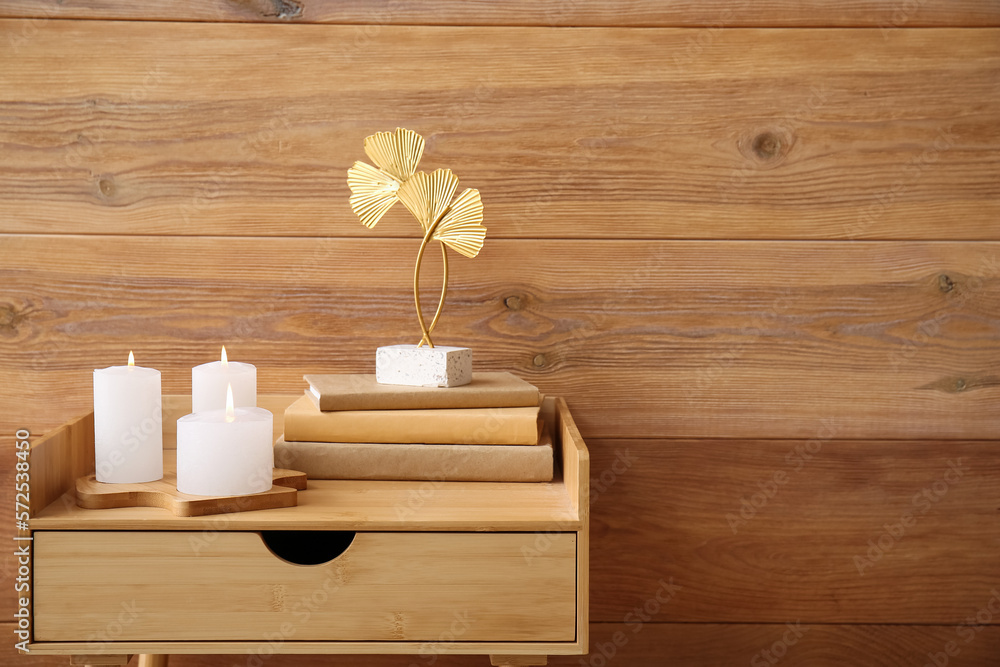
x,y
373,192
427,196
461,228
396,152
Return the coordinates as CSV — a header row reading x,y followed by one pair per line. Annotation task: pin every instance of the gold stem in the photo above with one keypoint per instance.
x,y
416,290
426,331
444,289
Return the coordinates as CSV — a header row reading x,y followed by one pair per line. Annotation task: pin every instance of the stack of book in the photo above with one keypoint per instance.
x,y
351,427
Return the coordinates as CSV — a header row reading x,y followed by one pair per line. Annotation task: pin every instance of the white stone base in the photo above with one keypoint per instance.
x,y
414,366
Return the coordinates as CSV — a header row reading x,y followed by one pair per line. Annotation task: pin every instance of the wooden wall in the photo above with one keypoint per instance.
x,y
756,245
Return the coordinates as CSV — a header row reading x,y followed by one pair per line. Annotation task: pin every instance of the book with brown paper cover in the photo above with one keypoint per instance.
x,y
447,463
361,392
304,422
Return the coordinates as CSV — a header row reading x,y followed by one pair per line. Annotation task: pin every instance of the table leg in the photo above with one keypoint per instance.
x,y
518,660
147,660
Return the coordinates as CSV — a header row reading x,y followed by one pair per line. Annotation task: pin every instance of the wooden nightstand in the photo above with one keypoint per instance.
x,y
401,567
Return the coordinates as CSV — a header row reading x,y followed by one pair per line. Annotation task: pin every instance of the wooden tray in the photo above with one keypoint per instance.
x,y
94,495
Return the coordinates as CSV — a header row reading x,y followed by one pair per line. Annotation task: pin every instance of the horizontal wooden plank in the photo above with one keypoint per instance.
x,y
817,530
677,644
886,14
666,511
124,128
661,513
643,339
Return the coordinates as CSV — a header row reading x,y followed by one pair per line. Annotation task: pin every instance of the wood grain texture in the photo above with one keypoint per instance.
x,y
659,512
163,494
207,130
643,339
664,512
765,134
677,644
716,14
363,505
356,505
386,587
367,649
576,476
57,459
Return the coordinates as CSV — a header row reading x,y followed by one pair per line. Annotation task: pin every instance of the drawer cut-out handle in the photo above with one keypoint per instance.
x,y
307,547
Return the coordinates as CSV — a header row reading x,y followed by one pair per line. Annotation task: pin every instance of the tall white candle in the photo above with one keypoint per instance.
x,y
209,382
128,424
227,452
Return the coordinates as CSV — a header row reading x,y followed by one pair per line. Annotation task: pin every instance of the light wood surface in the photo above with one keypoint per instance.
x,y
163,494
58,459
358,505
120,563
362,505
385,587
714,14
666,516
842,134
305,648
646,339
576,473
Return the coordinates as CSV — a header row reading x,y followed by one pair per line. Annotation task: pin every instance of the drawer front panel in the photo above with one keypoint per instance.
x,y
191,586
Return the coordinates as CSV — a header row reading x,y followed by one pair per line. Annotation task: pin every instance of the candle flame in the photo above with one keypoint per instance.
x,y
131,359
225,359
230,410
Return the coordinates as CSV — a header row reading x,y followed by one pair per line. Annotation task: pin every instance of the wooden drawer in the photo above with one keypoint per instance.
x,y
386,586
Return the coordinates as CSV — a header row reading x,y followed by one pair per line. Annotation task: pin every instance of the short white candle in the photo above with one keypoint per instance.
x,y
209,382
128,424
226,452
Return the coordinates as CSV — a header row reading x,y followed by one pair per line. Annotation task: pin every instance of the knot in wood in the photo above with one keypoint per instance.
x,y
960,384
278,9
945,283
107,186
513,302
766,146
287,9
9,318
539,360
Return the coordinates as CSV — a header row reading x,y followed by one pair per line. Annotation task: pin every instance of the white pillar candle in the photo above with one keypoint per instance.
x,y
227,452
128,424
209,382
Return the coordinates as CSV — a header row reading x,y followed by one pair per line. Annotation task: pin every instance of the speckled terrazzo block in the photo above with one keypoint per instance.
x,y
414,366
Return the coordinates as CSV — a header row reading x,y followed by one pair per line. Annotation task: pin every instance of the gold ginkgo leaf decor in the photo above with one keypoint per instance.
x,y
427,196
455,222
461,227
373,189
